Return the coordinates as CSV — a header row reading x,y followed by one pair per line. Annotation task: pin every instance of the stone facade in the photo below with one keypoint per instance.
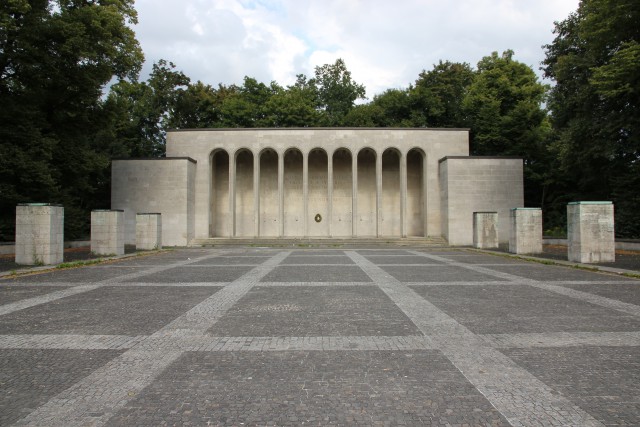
x,y
590,232
107,232
477,184
317,183
485,230
165,186
148,231
526,231
39,234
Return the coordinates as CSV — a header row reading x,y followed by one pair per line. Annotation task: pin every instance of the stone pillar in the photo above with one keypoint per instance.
x,y
39,234
525,234
354,194
485,230
281,194
590,230
403,195
256,194
330,191
232,195
378,193
305,193
148,231
107,232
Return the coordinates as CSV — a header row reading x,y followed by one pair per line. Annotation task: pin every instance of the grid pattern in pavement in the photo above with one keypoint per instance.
x,y
285,337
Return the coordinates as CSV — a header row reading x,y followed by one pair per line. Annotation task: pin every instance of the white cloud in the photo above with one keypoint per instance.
x,y
385,43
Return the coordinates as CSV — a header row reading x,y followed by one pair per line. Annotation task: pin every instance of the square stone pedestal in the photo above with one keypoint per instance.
x,y
525,235
39,234
485,230
148,231
107,232
590,229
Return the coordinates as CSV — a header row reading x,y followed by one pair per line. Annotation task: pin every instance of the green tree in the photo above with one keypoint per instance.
x,y
438,94
337,91
595,104
503,106
56,58
143,110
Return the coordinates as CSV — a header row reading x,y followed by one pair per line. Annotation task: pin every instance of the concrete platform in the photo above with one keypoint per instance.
x,y
277,336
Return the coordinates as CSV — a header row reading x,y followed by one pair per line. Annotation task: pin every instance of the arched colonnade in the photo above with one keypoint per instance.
x,y
316,193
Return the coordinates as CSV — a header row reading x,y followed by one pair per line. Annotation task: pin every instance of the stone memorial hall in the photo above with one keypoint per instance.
x,y
317,183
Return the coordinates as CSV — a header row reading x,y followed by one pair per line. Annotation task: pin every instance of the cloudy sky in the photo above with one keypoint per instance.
x,y
385,43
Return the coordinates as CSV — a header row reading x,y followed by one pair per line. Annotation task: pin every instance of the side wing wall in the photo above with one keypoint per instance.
x,y
164,186
478,184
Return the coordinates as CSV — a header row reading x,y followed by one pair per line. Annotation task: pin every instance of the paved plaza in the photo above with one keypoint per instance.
x,y
272,336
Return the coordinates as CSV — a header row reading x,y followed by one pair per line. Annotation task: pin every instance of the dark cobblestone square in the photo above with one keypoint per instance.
x,y
625,292
500,309
408,259
603,381
482,259
232,260
316,273
315,311
28,378
76,276
436,274
13,293
317,259
198,274
315,388
553,273
108,310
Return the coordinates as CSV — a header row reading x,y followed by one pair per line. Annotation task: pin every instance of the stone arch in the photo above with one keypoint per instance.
x,y
293,212
318,191
243,197
219,224
342,194
416,193
269,193
390,206
367,211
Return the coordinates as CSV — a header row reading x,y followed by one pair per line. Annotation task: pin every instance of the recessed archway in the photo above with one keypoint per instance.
x,y
415,193
244,194
317,215
269,205
390,221
219,224
367,201
342,193
293,197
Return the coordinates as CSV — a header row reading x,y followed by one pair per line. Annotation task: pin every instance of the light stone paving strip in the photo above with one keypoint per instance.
x,y
519,396
69,342
96,398
563,339
609,303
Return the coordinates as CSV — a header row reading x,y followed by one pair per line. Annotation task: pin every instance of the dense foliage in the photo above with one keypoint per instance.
x,y
59,131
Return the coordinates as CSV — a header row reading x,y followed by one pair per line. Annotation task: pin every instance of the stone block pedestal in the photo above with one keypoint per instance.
x,y
485,230
39,234
590,229
107,232
525,235
148,231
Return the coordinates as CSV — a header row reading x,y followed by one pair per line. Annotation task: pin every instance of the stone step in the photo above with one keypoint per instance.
x,y
322,242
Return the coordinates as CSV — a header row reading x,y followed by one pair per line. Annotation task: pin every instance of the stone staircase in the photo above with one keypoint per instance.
x,y
346,242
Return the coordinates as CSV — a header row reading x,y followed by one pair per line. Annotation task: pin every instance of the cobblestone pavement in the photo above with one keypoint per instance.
x,y
320,337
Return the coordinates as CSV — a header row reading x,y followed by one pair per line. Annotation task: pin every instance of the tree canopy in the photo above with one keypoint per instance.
x,y
72,101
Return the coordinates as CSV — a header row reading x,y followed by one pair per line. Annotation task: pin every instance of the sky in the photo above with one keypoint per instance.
x,y
384,43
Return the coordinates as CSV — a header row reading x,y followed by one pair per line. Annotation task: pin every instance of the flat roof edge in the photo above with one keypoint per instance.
x,y
480,157
314,128
156,158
